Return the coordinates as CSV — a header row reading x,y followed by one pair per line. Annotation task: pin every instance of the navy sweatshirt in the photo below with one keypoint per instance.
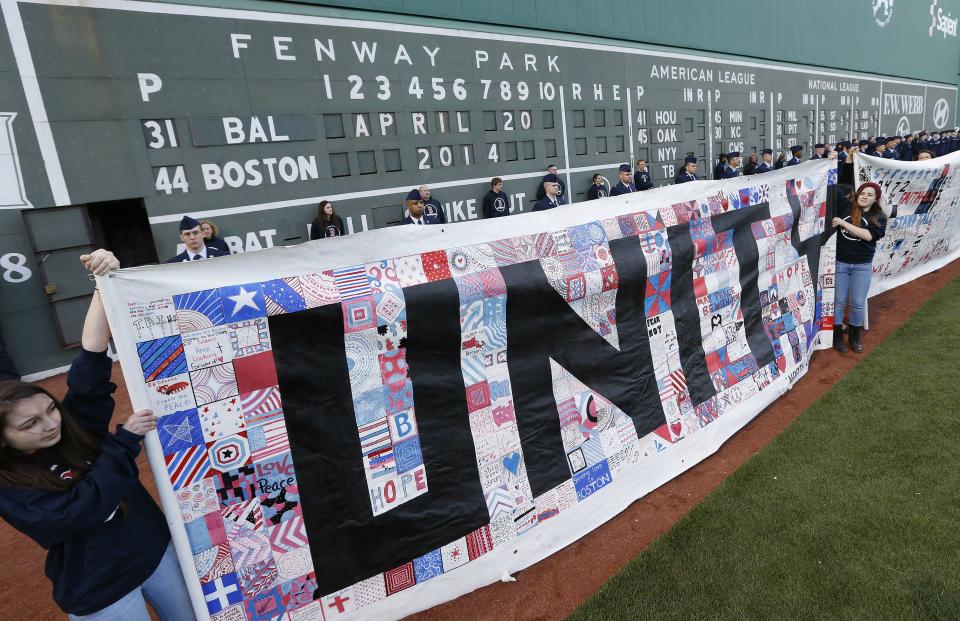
x,y
496,204
97,552
850,248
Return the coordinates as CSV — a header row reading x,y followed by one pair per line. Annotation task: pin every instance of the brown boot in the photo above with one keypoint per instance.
x,y
838,343
855,343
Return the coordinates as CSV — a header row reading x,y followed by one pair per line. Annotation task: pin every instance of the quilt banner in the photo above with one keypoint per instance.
x,y
922,200
370,425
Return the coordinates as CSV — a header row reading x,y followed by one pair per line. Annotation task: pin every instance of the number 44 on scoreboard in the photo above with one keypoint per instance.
x,y
170,178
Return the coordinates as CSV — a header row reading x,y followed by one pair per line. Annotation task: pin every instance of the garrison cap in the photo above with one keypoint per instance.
x,y
414,195
767,152
819,145
733,154
690,159
188,223
796,148
624,167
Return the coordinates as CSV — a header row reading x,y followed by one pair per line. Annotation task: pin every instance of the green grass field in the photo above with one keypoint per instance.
x,y
853,512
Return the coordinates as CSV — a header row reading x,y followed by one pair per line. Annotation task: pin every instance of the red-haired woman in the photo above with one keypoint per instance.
x,y
73,487
859,225
211,236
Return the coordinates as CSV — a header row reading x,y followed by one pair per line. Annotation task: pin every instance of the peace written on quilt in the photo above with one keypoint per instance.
x,y
360,438
922,199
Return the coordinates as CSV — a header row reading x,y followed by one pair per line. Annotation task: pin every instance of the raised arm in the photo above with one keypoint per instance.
x,y
89,389
96,330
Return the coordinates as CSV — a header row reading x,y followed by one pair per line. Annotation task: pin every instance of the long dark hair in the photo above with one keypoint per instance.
x,y
322,216
873,214
75,450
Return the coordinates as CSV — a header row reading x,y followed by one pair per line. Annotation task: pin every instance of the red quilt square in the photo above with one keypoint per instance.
x,y
576,287
393,368
610,277
714,362
255,372
401,578
479,542
435,265
478,396
218,533
699,289
359,314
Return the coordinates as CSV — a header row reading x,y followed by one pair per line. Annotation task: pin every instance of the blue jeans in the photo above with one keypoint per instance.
x,y
852,285
164,589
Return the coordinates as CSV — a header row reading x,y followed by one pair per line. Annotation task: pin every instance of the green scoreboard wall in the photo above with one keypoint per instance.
x,y
251,115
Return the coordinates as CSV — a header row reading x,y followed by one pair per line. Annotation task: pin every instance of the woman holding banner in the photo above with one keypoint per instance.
x,y
859,226
73,487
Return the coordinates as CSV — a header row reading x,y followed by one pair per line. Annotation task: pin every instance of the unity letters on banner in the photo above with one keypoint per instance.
x,y
922,199
371,425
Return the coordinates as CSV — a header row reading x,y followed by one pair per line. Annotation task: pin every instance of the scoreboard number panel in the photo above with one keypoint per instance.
x,y
276,110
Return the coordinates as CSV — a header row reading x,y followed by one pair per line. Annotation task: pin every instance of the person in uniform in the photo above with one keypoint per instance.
x,y
781,161
624,186
766,162
551,193
688,172
817,151
906,148
842,152
730,168
879,147
936,143
641,178
597,189
890,148
552,172
415,211
431,206
192,237
796,150
947,139
211,236
921,142
496,203
718,169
